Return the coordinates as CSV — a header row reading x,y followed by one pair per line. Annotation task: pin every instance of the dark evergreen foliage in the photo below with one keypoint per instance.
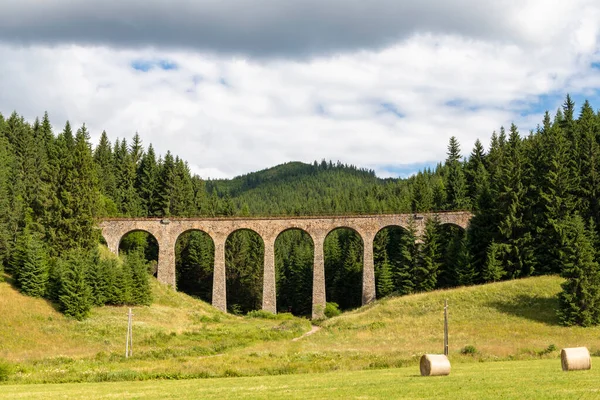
x,y
525,193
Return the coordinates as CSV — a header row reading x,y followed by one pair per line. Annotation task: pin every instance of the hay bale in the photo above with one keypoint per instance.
x,y
575,358
434,365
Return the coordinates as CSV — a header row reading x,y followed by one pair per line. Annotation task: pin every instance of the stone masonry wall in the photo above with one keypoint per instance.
x,y
166,231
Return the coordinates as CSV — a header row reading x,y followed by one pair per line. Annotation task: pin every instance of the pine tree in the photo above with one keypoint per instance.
x,y
588,191
429,263
78,194
492,271
6,162
166,184
147,183
127,198
96,279
555,195
456,185
140,289
511,193
32,276
405,272
75,295
136,150
383,270
103,159
422,194
579,301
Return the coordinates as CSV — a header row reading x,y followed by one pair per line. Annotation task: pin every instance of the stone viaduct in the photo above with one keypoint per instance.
x,y
167,231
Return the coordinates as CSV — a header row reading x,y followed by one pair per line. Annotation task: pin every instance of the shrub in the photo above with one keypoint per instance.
x,y
468,350
5,370
332,310
548,350
261,314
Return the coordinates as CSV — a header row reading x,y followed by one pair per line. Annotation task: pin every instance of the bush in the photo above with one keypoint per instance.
x,y
468,350
5,370
332,310
551,348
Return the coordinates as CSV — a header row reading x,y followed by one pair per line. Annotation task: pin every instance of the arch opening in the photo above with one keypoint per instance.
x,y
102,241
194,264
343,251
395,258
143,242
294,261
244,269
456,268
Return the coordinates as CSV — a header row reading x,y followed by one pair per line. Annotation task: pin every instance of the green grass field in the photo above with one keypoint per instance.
x,y
179,338
533,379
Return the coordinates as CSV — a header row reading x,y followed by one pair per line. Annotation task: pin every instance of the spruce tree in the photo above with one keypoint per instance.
x,y
147,183
96,278
405,272
579,301
103,159
429,263
492,271
127,198
6,162
32,276
75,297
511,193
456,184
166,185
78,194
383,271
140,288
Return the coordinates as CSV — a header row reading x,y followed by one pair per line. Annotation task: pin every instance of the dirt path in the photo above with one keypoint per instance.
x,y
313,330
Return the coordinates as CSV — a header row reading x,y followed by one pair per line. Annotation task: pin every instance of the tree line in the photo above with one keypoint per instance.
x,y
534,199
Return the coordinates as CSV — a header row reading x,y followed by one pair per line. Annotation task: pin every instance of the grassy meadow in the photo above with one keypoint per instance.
x,y
533,379
179,337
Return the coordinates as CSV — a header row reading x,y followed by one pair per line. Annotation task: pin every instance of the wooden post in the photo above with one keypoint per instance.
x,y
446,328
129,344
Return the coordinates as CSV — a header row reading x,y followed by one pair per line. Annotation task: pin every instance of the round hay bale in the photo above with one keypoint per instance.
x,y
434,365
575,358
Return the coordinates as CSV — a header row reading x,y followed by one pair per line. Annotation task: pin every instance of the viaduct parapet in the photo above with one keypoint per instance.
x,y
167,231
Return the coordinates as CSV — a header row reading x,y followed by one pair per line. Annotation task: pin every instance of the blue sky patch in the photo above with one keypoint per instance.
x,y
461,103
392,109
406,170
552,101
320,110
147,65
596,65
224,82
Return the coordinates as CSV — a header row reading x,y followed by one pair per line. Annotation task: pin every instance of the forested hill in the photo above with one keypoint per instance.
x,y
535,198
297,188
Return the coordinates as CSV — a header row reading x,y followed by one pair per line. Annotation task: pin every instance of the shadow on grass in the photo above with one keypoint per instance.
x,y
534,308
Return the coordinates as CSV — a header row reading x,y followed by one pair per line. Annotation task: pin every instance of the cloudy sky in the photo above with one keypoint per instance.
x,y
241,85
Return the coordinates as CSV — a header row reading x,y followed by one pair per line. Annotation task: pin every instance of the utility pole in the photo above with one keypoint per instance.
x,y
129,344
446,328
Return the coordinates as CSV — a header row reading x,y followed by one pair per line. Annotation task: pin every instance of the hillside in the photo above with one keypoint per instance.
x,y
298,188
180,337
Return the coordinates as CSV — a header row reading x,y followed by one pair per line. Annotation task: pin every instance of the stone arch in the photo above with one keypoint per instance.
x,y
454,224
344,262
244,273
194,260
388,244
151,247
294,271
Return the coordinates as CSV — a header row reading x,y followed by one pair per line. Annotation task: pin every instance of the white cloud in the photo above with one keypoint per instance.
x,y
228,115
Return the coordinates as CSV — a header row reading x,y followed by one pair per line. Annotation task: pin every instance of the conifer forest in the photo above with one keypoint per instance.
x,y
534,198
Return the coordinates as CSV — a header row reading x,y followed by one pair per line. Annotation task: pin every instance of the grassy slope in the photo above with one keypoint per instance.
x,y
540,379
179,337
33,329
